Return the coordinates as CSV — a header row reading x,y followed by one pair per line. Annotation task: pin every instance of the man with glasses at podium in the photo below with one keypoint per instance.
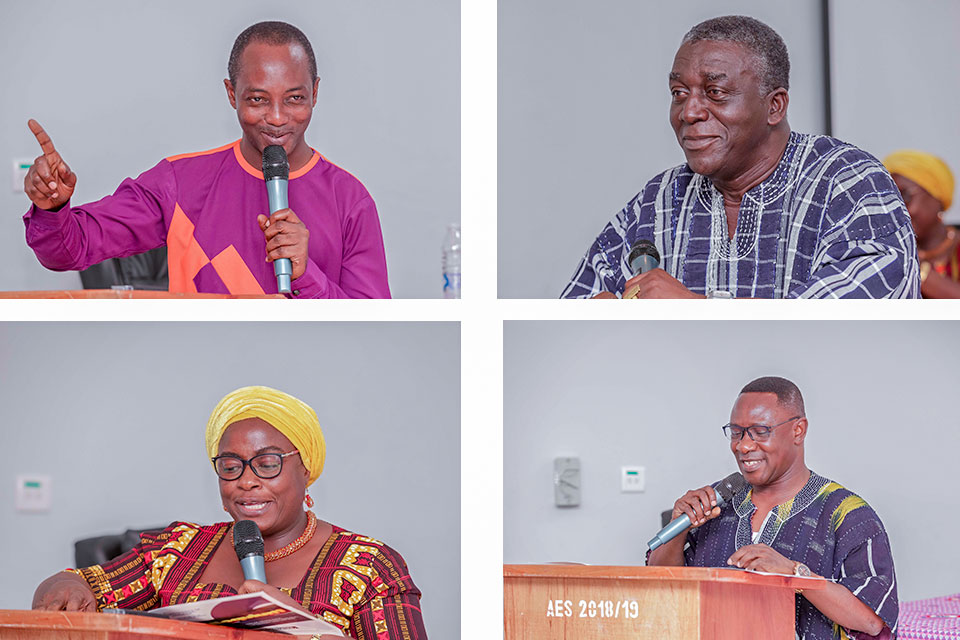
x,y
790,520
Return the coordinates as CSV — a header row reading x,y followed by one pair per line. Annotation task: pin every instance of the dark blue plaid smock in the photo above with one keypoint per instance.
x,y
826,527
828,223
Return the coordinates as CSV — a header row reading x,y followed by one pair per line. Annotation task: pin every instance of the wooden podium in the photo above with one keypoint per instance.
x,y
640,603
61,625
125,294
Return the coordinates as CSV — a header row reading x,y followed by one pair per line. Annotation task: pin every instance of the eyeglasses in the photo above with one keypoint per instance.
x,y
757,433
264,465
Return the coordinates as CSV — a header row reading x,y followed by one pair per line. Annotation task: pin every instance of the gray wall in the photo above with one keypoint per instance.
x,y
582,119
124,443
896,77
121,84
880,398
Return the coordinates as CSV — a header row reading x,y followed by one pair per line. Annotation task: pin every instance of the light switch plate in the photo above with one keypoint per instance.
x,y
632,479
20,168
34,493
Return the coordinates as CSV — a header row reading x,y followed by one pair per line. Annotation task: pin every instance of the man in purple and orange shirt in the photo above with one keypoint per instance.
x,y
209,208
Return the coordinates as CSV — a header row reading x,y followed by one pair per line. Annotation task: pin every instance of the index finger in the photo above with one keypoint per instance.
x,y
637,279
743,554
45,142
284,214
251,585
712,494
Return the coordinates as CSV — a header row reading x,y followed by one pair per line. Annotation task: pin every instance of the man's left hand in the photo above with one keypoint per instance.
x,y
287,237
656,283
760,557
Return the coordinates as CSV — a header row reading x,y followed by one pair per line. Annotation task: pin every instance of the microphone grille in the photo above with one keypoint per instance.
x,y
730,486
643,247
247,540
275,163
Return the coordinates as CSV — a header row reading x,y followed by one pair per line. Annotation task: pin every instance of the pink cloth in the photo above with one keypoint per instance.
x,y
931,619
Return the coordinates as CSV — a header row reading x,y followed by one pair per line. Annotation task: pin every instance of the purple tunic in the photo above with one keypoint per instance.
x,y
826,527
204,207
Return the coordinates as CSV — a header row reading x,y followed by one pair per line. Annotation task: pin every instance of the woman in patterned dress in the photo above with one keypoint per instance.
x,y
926,184
267,448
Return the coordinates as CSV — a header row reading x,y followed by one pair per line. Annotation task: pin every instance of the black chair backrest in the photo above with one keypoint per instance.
x,y
141,271
102,549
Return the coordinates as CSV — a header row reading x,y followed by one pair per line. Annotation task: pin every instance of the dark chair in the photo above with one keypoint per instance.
x,y
141,271
101,549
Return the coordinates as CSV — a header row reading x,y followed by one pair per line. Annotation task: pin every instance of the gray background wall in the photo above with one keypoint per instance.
x,y
880,398
895,70
121,84
583,104
124,444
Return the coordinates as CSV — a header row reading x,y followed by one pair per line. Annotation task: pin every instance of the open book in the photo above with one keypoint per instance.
x,y
250,611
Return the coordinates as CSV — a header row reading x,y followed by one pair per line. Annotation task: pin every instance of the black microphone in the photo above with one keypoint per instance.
x,y
276,172
248,543
728,487
643,257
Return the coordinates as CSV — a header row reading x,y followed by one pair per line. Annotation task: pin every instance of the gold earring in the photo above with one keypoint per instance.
x,y
308,500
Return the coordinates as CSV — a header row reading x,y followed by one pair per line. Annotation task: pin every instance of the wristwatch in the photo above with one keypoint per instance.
x,y
801,570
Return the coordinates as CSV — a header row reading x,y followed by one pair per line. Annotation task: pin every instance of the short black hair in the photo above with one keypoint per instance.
x,y
788,394
773,62
270,32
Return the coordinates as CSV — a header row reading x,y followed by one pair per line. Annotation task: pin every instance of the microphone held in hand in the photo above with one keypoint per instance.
x,y
248,543
728,487
643,257
276,172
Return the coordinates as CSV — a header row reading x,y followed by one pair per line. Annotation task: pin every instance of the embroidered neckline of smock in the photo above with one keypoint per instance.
x,y
744,508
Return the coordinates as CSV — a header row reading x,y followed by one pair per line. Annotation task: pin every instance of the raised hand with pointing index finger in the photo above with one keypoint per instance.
x,y
49,182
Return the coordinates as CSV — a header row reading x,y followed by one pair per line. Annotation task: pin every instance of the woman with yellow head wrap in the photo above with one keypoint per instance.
x,y
926,184
288,415
266,447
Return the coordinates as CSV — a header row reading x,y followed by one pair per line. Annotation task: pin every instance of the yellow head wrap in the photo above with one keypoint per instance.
x,y
928,171
288,415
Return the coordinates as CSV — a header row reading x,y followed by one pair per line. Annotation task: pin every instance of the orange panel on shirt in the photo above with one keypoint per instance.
x,y
235,274
185,256
257,173
197,154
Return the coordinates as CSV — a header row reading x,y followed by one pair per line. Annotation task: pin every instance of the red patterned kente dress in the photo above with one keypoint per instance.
x,y
355,582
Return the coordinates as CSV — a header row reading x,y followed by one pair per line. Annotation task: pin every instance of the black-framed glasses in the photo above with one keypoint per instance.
x,y
264,465
757,433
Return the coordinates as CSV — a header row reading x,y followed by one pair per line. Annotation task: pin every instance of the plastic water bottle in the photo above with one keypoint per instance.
x,y
450,262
